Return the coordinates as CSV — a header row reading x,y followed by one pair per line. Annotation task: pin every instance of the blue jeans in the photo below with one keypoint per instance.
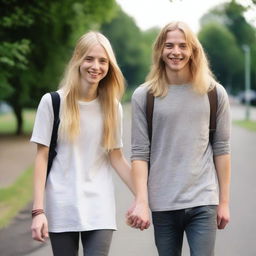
x,y
199,224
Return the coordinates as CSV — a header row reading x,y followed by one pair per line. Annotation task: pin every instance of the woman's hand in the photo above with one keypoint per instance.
x,y
39,228
138,216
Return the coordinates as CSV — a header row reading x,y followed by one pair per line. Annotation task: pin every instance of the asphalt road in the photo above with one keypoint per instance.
x,y
238,239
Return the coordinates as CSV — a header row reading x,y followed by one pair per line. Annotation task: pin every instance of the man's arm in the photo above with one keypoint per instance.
x,y
222,165
138,215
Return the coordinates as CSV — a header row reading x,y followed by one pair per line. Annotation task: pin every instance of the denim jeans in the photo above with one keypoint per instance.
x,y
199,224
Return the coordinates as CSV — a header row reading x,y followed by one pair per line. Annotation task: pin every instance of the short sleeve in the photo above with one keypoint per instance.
x,y
43,122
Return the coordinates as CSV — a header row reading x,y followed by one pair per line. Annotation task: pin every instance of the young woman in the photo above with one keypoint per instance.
x,y
79,196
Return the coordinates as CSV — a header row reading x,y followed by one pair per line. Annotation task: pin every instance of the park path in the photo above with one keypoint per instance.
x,y
236,240
16,155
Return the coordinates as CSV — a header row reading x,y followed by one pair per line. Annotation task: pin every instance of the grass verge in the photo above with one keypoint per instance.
x,y
15,197
250,125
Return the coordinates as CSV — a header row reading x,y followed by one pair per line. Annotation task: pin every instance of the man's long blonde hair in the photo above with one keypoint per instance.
x,y
110,90
201,75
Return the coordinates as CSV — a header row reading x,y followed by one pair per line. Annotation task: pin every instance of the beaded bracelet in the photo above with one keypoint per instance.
x,y
36,212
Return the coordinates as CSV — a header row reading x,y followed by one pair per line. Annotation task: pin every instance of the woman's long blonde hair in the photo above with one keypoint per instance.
x,y
110,90
201,75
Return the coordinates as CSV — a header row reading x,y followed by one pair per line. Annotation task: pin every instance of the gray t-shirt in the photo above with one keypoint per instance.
x,y
182,172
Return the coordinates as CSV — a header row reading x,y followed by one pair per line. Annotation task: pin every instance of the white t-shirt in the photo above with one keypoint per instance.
x,y
79,190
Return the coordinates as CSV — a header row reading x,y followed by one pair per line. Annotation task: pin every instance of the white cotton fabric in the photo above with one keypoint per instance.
x,y
79,192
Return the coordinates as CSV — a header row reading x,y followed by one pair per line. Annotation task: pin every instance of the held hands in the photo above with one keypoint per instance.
x,y
138,216
223,215
39,228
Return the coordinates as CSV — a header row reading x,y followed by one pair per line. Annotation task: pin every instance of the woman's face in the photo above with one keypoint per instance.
x,y
95,65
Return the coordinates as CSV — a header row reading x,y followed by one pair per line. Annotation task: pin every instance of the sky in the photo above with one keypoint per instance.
x,y
151,13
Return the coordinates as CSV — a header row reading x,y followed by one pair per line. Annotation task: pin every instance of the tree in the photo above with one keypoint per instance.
x,y
231,15
36,41
223,52
131,45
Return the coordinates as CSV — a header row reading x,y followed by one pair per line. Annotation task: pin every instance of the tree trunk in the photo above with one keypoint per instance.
x,y
19,119
16,102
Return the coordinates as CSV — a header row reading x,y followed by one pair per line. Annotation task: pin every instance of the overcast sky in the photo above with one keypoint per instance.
x,y
150,13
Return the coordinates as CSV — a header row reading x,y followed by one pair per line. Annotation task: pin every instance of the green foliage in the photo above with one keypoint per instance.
x,y
13,54
237,24
128,95
5,88
231,16
149,36
132,47
222,50
36,40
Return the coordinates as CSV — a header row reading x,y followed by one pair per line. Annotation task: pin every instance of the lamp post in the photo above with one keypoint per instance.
x,y
247,67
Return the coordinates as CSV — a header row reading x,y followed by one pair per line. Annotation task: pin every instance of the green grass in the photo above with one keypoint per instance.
x,y
250,125
8,122
15,198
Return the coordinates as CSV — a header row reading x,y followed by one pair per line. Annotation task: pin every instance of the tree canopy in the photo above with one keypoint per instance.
x,y
36,39
131,45
225,31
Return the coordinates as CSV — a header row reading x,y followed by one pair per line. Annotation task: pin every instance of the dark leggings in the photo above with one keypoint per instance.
x,y
95,243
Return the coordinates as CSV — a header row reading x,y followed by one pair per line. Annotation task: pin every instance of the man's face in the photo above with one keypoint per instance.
x,y
176,53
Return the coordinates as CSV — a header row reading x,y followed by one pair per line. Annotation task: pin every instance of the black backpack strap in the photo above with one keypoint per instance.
x,y
149,113
52,150
213,100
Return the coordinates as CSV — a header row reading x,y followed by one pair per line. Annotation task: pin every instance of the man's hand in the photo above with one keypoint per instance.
x,y
223,215
138,216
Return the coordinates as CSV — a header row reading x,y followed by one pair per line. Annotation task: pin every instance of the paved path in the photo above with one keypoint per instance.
x,y
238,239
238,111
16,155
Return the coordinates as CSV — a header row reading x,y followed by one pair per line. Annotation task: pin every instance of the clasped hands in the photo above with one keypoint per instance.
x,y
138,216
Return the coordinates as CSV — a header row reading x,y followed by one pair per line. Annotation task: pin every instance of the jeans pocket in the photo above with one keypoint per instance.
x,y
211,209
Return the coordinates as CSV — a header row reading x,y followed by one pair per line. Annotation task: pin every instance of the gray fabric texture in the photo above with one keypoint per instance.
x,y
182,172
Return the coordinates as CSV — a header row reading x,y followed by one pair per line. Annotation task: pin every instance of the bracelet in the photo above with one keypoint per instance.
x,y
37,212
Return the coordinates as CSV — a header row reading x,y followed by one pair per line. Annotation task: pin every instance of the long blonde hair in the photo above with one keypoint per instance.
x,y
201,75
110,90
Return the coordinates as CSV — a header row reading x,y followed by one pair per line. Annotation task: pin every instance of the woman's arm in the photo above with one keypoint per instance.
x,y
122,167
39,226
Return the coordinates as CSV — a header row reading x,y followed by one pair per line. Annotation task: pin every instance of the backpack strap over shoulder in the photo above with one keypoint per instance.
x,y
213,100
52,150
149,113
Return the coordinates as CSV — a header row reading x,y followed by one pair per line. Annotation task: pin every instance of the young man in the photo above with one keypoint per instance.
x,y
187,184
